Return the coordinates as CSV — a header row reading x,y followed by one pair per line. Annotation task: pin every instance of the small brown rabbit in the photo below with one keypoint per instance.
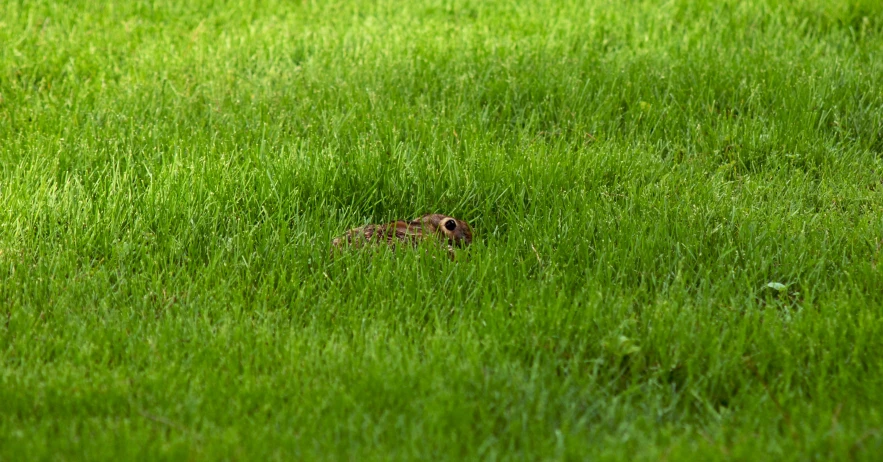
x,y
456,232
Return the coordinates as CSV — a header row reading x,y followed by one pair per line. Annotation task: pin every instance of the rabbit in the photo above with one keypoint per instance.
x,y
456,233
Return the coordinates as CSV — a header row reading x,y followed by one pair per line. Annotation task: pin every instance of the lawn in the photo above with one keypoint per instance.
x,y
678,215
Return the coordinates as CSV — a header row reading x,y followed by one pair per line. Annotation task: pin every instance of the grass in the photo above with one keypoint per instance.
x,y
678,208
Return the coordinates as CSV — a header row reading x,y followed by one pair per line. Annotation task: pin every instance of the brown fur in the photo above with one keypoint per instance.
x,y
411,232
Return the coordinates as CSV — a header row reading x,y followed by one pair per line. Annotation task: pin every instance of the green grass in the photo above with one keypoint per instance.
x,y
637,173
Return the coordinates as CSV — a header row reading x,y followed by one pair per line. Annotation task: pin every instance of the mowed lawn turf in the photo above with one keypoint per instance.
x,y
678,215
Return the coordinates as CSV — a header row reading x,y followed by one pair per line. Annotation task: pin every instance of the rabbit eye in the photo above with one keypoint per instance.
x,y
450,225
